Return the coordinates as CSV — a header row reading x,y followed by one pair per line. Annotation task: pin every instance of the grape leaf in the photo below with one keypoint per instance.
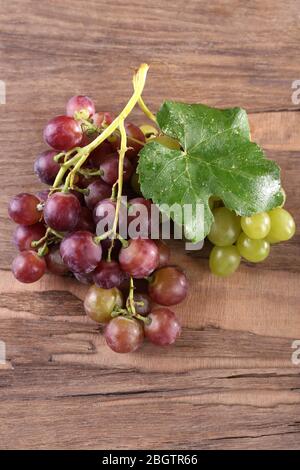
x,y
216,158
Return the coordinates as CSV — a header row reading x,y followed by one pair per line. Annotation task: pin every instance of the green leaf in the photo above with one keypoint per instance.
x,y
217,159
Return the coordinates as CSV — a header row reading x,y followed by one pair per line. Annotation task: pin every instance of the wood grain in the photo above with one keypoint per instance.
x,y
229,383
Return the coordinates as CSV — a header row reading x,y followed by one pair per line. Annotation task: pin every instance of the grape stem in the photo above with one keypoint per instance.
x,y
82,153
44,239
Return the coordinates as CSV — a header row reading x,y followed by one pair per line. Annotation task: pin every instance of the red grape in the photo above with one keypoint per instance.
x,y
98,190
164,253
46,167
43,195
54,261
164,328
168,286
142,303
124,335
105,211
28,267
24,235
85,221
79,103
110,168
22,209
96,156
108,275
140,258
134,132
62,211
84,278
80,252
99,303
139,217
63,133
103,119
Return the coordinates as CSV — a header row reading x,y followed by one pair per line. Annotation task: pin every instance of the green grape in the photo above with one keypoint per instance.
x,y
257,226
226,227
224,260
252,250
284,197
99,303
282,225
167,141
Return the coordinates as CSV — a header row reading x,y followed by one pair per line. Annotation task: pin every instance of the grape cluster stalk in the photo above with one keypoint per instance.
x,y
90,165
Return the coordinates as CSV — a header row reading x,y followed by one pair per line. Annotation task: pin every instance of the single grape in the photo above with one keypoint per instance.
x,y
104,212
282,225
224,260
164,328
124,335
168,142
252,250
103,119
97,155
22,209
257,226
109,167
62,211
140,258
108,275
226,227
142,303
86,279
164,253
54,261
80,103
43,195
139,218
99,303
80,253
168,286
24,235
98,190
85,221
46,167
28,267
63,133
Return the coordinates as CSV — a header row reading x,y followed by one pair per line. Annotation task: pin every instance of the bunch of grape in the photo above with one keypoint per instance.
x,y
57,229
250,238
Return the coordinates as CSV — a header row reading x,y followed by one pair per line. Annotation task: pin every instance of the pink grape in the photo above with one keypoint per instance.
x,y
79,103
168,286
110,168
46,167
24,235
140,258
28,267
108,275
62,211
80,253
164,328
63,133
22,209
55,264
124,335
97,191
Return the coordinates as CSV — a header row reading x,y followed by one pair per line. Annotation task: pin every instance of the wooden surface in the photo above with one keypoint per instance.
x,y
229,382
